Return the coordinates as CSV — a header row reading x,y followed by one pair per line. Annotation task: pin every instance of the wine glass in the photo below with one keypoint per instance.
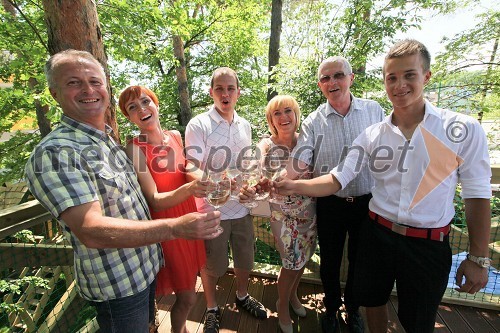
x,y
273,170
233,172
219,191
250,177
263,190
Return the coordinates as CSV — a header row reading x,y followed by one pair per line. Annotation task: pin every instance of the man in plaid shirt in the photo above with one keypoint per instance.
x,y
84,179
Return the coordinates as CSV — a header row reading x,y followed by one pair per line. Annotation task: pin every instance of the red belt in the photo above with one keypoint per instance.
x,y
436,234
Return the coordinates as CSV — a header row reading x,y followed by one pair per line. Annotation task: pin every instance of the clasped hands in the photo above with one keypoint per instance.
x,y
284,186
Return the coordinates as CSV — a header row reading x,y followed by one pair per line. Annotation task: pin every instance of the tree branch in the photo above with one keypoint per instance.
x,y
16,6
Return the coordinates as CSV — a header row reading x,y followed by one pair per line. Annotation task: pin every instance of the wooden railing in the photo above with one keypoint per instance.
x,y
49,258
52,250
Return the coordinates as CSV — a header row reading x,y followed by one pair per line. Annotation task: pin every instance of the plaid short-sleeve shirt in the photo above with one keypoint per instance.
x,y
77,164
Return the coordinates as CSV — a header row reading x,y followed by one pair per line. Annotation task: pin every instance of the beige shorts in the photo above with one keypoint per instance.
x,y
240,235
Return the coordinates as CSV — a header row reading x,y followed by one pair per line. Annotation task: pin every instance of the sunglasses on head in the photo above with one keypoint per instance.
x,y
336,77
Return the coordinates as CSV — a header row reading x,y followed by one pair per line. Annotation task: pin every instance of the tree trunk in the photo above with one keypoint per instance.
x,y
74,24
274,44
9,7
41,110
185,113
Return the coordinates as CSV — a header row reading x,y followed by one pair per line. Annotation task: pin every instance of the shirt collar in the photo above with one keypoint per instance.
x,y
354,106
90,131
218,118
429,111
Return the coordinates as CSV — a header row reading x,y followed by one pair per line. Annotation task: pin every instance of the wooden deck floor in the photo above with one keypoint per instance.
x,y
451,318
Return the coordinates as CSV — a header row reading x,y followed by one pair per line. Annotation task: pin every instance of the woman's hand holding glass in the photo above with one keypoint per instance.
x,y
199,188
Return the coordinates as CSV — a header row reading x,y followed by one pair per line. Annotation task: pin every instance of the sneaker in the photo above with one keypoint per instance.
x,y
253,306
355,322
212,321
329,323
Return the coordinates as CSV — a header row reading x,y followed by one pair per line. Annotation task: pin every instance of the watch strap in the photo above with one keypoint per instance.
x,y
481,261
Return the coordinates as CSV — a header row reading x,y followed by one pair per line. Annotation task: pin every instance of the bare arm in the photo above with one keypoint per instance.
x,y
295,168
159,200
193,171
97,231
478,216
321,186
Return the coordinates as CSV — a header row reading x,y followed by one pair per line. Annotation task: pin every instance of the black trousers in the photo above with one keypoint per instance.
x,y
337,218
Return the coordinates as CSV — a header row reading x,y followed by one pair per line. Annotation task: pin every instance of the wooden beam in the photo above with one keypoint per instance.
x,y
64,313
495,174
22,216
21,212
18,255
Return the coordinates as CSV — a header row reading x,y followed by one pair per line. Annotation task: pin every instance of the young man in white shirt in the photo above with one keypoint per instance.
x,y
210,138
416,156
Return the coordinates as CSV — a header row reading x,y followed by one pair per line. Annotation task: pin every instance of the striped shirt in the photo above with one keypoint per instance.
x,y
326,136
208,138
77,164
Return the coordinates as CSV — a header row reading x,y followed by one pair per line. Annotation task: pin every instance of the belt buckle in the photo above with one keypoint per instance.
x,y
399,229
349,199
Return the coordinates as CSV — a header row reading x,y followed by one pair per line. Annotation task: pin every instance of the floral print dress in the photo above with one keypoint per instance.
x,y
294,227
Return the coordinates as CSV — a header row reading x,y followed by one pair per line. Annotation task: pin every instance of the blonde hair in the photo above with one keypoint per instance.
x,y
279,102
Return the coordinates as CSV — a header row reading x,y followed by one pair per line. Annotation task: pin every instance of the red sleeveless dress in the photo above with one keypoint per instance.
x,y
183,258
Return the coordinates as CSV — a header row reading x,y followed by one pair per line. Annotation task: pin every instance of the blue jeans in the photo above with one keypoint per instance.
x,y
128,314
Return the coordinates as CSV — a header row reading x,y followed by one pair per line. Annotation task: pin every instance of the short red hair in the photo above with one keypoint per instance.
x,y
133,92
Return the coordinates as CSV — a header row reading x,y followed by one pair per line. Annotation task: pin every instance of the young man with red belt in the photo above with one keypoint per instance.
x,y
416,157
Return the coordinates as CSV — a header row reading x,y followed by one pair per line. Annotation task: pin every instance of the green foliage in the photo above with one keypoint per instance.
x,y
84,316
25,236
138,40
15,153
467,74
23,55
140,44
16,287
266,254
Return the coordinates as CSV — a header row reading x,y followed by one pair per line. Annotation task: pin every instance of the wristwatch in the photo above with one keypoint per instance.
x,y
481,261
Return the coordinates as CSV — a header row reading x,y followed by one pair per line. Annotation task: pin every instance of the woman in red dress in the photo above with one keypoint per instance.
x,y
159,162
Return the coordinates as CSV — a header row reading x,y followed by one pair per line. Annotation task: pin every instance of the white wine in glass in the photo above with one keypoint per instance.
x,y
218,198
233,173
273,170
250,177
219,194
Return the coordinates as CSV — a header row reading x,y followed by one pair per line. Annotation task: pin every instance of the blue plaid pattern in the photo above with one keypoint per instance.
x,y
77,164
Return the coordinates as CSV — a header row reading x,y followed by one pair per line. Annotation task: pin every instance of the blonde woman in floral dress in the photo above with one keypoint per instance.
x,y
293,222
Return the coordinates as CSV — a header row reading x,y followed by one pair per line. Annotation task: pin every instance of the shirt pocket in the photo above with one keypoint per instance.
x,y
111,184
